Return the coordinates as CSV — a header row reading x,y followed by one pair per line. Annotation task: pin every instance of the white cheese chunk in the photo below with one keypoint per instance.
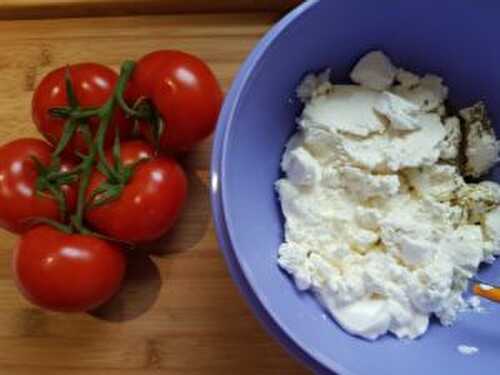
x,y
428,95
314,85
301,167
402,114
482,148
407,79
451,144
467,349
374,70
393,152
347,109
491,228
366,185
439,181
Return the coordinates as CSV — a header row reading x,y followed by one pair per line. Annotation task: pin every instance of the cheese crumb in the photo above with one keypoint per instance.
x,y
375,71
467,350
402,114
482,148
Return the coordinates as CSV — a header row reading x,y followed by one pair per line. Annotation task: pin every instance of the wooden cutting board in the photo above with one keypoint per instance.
x,y
179,312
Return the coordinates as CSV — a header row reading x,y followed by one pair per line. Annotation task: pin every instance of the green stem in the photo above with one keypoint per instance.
x,y
123,104
51,178
80,114
70,93
96,147
58,175
76,113
68,132
86,167
62,227
106,114
60,199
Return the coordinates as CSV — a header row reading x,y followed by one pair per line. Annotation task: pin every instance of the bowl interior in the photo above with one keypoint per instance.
x,y
454,39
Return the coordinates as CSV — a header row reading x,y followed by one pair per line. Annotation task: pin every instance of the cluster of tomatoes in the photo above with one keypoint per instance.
x,y
107,179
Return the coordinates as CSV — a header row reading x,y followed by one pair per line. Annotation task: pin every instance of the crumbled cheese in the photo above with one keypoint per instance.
x,y
392,151
467,350
407,79
314,85
304,169
438,181
478,200
377,225
428,95
491,228
442,111
482,148
451,143
341,111
474,303
366,185
402,114
368,218
375,71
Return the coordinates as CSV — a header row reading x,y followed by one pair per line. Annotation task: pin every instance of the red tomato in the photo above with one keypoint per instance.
x,y
18,199
186,93
149,204
93,85
67,272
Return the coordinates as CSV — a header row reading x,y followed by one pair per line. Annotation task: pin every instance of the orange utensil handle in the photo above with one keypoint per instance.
x,y
490,293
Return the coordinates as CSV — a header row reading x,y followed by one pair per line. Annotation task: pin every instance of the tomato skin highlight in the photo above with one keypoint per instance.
x,y
144,76
67,272
19,203
185,92
150,203
93,85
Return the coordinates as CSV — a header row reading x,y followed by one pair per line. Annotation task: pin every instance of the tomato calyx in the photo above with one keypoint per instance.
x,y
50,182
144,110
112,187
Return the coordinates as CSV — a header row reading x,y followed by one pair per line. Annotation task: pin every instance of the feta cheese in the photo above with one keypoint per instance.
x,y
394,151
438,181
301,167
478,200
402,114
379,223
481,146
314,85
368,218
374,70
428,95
411,242
450,146
467,350
491,228
475,304
366,185
407,79
347,109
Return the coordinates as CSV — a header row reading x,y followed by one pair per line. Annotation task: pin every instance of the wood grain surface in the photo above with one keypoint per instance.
x,y
179,312
10,9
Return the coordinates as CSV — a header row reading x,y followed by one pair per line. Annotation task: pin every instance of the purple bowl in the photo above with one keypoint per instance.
x,y
456,39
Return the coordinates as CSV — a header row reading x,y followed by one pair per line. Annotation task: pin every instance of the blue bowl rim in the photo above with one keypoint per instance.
x,y
240,275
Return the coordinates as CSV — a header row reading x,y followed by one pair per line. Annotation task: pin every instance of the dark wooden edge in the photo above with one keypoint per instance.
x,y
80,8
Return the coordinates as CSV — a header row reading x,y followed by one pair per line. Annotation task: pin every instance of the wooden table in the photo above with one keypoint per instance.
x,y
179,312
